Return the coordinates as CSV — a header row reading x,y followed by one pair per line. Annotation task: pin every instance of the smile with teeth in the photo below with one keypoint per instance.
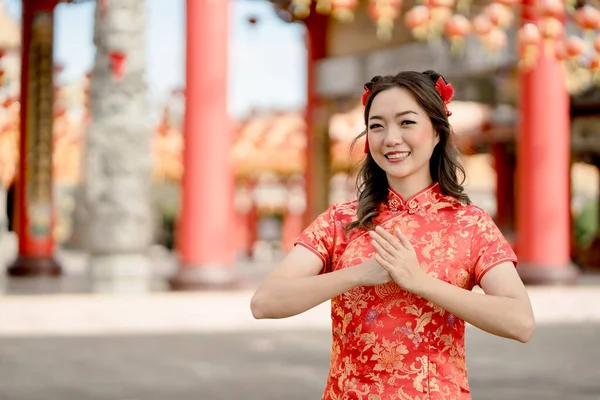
x,y
398,155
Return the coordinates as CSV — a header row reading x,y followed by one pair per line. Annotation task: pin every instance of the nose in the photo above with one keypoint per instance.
x,y
393,136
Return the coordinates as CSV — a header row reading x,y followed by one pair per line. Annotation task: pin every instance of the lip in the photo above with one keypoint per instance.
x,y
389,153
396,160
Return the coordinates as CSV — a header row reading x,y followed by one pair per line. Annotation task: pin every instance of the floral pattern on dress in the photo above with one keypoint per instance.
x,y
389,344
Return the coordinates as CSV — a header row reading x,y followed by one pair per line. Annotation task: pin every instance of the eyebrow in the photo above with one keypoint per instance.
x,y
400,114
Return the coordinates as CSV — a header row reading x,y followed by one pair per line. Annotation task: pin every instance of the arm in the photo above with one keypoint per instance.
x,y
505,309
295,286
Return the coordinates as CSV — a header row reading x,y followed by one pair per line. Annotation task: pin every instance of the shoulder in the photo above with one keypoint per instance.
x,y
473,210
471,216
343,212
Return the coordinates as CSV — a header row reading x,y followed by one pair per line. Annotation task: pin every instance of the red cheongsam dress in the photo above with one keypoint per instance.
x,y
388,343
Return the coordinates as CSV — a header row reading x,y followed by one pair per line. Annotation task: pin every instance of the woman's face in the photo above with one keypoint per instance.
x,y
401,138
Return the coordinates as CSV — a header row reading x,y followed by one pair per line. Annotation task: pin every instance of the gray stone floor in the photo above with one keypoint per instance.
x,y
561,362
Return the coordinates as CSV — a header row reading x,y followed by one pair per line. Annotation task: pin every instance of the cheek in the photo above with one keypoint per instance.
x,y
425,139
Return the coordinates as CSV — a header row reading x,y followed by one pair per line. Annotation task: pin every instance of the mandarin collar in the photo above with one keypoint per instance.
x,y
428,195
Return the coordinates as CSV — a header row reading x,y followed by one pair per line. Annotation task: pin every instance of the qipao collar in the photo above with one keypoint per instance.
x,y
431,194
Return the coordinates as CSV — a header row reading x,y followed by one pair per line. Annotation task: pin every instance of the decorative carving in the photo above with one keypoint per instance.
x,y
118,158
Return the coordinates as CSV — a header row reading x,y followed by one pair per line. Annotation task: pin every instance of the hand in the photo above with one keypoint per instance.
x,y
398,257
372,273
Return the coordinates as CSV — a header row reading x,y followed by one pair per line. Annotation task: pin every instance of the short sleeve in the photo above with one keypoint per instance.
x,y
319,237
489,247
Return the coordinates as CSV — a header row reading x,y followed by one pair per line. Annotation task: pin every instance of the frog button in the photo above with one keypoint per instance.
x,y
394,204
413,207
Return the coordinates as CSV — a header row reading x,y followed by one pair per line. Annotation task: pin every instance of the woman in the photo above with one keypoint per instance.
x,y
399,264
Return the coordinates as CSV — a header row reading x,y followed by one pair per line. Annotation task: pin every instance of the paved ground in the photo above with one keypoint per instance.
x,y
61,341
561,362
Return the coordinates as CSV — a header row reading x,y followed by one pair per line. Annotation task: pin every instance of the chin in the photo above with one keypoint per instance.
x,y
399,171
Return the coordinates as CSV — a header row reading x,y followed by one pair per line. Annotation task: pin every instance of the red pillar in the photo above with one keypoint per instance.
x,y
505,186
543,228
316,172
34,191
293,218
205,244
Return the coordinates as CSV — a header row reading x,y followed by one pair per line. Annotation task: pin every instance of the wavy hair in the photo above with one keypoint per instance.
x,y
444,165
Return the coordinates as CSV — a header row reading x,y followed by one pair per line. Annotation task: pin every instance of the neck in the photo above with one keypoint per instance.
x,y
409,185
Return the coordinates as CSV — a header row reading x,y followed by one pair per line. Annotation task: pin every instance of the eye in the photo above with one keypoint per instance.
x,y
407,122
375,126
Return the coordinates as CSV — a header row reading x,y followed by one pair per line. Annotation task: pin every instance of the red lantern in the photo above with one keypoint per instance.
x,y
508,3
482,25
417,17
117,64
588,17
440,15
529,37
495,40
575,46
499,15
301,8
560,51
597,44
552,8
595,64
551,28
323,6
385,12
343,9
385,9
457,27
441,3
417,20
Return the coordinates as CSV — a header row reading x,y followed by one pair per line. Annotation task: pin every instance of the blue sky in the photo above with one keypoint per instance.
x,y
266,60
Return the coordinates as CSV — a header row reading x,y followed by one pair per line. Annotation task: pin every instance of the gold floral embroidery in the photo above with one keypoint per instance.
x,y
388,343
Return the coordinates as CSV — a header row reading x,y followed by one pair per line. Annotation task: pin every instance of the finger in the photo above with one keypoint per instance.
x,y
388,237
382,252
386,245
402,238
384,264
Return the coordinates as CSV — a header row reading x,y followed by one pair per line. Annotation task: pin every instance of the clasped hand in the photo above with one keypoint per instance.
x,y
397,256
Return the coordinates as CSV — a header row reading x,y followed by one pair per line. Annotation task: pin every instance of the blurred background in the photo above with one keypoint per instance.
x,y
159,157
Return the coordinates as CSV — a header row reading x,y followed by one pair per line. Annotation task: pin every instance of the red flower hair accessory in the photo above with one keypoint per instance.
x,y
364,99
365,96
446,91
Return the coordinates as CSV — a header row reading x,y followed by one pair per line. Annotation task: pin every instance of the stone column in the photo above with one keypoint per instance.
x,y
118,158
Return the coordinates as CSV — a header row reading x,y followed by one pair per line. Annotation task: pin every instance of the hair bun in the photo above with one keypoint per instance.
x,y
434,76
374,80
